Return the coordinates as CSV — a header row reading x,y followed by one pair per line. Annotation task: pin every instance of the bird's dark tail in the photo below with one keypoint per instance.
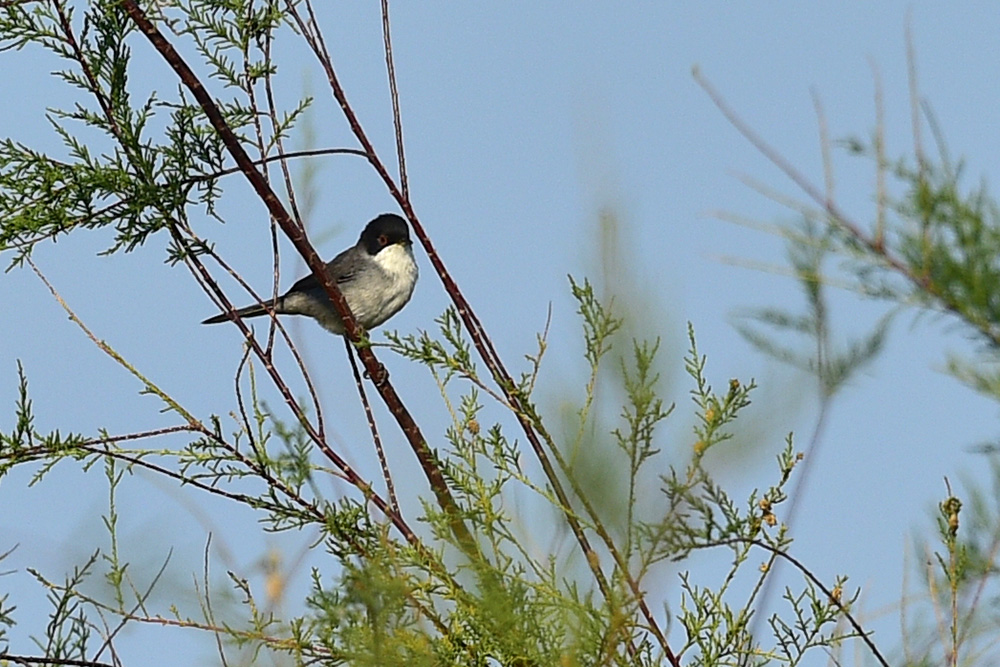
x,y
255,310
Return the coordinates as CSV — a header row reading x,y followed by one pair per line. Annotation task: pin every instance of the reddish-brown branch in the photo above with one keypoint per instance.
x,y
397,122
298,238
376,438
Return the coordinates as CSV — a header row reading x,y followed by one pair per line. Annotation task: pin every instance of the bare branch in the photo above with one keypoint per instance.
x,y
376,438
298,238
397,120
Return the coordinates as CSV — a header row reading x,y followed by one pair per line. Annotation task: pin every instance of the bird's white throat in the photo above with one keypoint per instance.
x,y
397,261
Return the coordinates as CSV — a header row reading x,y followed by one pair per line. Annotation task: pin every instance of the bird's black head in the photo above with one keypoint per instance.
x,y
386,230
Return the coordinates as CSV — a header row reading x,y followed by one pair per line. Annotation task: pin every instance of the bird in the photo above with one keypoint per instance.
x,y
376,276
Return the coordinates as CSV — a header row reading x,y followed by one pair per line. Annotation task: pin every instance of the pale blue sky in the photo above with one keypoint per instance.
x,y
520,125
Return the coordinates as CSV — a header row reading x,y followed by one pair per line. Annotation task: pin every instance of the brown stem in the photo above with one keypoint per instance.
x,y
376,438
248,87
298,238
397,122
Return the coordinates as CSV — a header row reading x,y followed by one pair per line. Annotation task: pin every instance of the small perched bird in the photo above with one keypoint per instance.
x,y
376,276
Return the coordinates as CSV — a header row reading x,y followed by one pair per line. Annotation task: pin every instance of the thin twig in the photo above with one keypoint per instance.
x,y
209,613
275,158
904,626
911,77
376,438
929,560
829,181
881,196
397,121
107,349
262,148
807,573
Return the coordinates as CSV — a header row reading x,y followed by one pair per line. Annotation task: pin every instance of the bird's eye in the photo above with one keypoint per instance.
x,y
383,240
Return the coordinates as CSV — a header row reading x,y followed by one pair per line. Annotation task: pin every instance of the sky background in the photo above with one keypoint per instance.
x,y
521,125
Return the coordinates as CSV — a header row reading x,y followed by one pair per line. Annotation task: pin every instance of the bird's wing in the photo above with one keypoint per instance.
x,y
343,269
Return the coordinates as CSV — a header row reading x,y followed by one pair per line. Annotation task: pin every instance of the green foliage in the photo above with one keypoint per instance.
x,y
952,246
957,594
931,244
940,255
68,634
26,445
6,611
809,245
512,558
141,180
513,605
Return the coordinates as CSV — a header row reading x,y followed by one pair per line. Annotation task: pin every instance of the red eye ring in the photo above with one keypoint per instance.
x,y
383,240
